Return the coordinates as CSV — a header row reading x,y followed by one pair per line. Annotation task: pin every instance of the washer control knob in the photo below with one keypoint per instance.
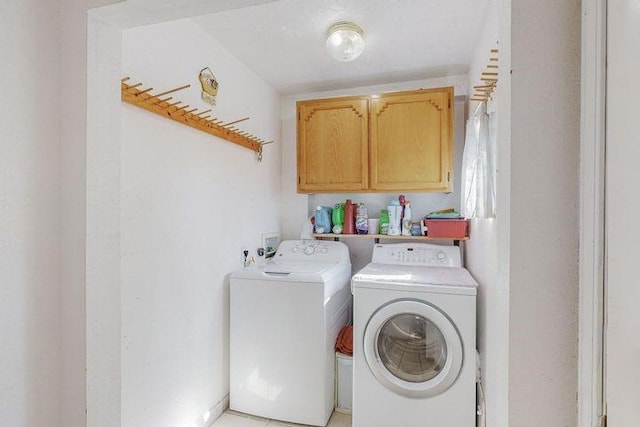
x,y
309,250
324,250
294,249
441,256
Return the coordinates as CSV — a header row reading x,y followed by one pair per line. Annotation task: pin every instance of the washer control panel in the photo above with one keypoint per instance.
x,y
419,254
310,250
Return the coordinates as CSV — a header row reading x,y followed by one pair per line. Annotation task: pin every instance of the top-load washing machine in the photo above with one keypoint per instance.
x,y
414,339
285,317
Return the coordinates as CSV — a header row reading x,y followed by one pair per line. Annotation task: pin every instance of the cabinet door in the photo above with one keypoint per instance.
x,y
332,145
412,141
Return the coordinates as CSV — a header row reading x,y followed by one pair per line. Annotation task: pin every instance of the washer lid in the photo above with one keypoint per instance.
x,y
450,280
297,267
292,271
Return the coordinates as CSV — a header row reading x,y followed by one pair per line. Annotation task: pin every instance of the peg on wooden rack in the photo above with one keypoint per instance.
x,y
484,92
236,121
172,91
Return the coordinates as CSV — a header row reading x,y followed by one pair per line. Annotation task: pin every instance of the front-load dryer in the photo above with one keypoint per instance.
x,y
414,339
285,317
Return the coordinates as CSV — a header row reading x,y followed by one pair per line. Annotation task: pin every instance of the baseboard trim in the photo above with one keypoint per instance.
x,y
217,410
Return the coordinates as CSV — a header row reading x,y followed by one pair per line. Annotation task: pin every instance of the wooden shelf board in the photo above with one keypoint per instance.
x,y
383,236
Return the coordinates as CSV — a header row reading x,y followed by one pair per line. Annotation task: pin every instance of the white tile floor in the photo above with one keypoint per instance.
x,y
235,419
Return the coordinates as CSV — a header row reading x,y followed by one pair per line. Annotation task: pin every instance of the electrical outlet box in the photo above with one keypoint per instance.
x,y
270,242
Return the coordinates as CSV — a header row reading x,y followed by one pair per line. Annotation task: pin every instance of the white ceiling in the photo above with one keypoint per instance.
x,y
284,41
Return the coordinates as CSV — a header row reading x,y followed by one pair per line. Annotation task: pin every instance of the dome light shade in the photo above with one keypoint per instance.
x,y
345,41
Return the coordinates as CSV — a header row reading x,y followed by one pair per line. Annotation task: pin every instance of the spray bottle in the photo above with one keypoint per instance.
x,y
406,219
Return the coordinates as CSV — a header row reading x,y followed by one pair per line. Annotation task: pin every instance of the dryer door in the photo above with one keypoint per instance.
x,y
412,348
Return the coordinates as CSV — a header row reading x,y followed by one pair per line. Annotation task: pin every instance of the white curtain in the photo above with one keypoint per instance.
x,y
478,166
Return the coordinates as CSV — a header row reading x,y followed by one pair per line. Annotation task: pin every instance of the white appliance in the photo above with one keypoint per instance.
x,y
414,339
285,317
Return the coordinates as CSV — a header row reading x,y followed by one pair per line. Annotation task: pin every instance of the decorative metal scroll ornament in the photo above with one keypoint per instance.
x,y
209,86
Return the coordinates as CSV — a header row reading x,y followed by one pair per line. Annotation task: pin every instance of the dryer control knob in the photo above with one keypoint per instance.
x,y
309,250
441,256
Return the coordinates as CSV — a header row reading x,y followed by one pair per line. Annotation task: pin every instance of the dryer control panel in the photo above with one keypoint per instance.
x,y
419,254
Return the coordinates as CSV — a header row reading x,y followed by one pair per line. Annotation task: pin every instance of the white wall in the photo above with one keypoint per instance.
x,y
30,214
42,182
525,261
93,54
622,175
543,215
189,203
481,250
298,207
73,177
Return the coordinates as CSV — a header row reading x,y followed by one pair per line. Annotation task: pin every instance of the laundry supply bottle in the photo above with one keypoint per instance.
x,y
349,226
406,219
384,221
337,217
362,226
395,213
401,200
323,219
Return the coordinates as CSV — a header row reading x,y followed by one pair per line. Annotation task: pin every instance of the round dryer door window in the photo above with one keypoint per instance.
x,y
413,348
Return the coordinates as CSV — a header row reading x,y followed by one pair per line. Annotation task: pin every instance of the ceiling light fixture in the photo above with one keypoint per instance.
x,y
345,41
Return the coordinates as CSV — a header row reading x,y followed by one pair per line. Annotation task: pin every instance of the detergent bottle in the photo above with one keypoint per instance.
x,y
384,221
323,219
349,226
395,214
362,216
337,217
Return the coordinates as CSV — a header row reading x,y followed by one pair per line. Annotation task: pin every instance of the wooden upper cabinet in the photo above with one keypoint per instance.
x,y
333,145
399,141
411,141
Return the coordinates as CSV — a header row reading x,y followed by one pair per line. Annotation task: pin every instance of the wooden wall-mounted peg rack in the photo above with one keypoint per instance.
x,y
489,79
189,116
